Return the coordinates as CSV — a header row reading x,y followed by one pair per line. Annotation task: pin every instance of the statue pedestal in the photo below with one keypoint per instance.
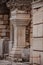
x,y
19,20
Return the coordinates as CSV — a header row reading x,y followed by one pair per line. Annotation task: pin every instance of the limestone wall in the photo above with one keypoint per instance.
x,y
37,39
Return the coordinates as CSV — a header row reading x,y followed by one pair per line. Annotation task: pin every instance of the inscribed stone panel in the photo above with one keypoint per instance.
x,y
2,26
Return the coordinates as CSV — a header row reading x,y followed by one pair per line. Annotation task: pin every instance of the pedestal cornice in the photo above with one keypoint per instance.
x,y
20,17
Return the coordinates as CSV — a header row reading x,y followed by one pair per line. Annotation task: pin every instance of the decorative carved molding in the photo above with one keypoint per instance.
x,y
20,4
20,17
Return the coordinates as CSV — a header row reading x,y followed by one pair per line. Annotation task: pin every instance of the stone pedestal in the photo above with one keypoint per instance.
x,y
19,20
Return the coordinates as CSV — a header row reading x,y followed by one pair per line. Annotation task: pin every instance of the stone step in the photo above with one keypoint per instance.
x,y
15,51
5,62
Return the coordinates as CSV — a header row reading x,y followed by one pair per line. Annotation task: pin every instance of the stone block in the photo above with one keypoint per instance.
x,y
35,31
1,16
5,22
1,22
38,17
3,34
5,17
2,26
37,43
36,57
40,28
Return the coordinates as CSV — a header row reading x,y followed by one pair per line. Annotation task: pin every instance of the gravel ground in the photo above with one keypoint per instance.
x,y
5,62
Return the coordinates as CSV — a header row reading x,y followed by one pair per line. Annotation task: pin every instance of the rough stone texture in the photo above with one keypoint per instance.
x,y
37,43
38,16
